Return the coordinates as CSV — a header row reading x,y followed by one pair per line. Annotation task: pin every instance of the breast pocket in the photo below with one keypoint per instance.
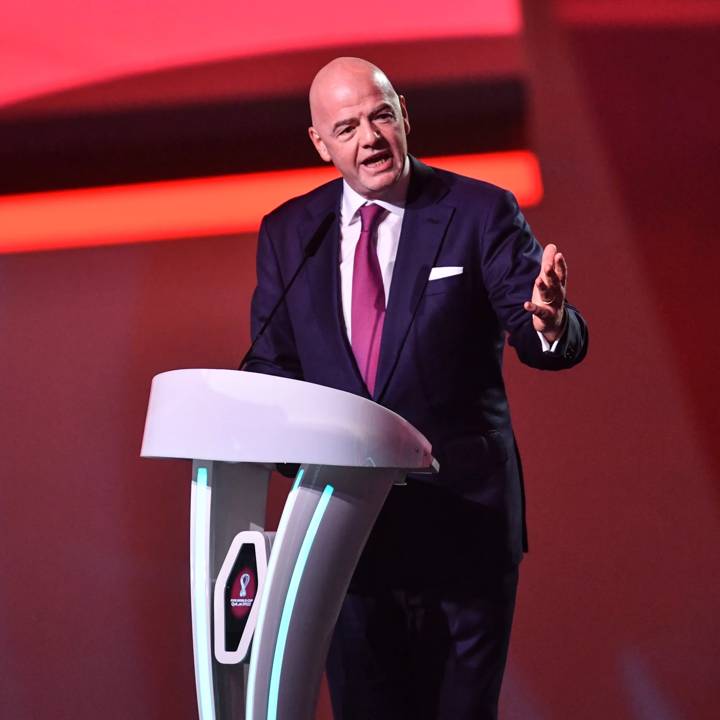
x,y
444,285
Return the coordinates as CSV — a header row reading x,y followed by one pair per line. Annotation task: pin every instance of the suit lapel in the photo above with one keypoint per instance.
x,y
423,229
322,277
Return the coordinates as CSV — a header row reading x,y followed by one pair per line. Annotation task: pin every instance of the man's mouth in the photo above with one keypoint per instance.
x,y
378,161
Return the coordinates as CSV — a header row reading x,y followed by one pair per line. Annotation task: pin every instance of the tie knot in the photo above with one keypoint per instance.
x,y
369,217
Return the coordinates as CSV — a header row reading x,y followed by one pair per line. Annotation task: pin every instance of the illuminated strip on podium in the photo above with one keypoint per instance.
x,y
292,592
200,591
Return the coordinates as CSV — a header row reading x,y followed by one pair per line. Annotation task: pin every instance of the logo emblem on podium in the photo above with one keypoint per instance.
x,y
237,587
242,592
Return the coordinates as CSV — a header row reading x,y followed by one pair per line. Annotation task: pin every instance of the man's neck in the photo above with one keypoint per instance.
x,y
396,194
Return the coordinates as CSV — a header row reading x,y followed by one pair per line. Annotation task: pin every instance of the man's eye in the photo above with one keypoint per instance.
x,y
386,116
345,130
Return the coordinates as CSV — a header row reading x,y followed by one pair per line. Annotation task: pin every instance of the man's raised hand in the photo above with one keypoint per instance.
x,y
548,298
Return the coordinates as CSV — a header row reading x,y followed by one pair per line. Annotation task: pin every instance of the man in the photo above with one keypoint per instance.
x,y
407,301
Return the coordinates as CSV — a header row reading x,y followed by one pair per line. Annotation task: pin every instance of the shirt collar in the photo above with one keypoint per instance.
x,y
352,201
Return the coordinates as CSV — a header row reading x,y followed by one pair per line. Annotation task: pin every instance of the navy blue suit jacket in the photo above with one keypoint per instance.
x,y
441,354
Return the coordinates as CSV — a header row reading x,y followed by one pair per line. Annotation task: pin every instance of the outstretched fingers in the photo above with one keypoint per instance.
x,y
548,296
560,268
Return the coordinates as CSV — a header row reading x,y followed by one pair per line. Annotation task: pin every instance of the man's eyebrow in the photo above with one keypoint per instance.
x,y
344,121
350,121
380,108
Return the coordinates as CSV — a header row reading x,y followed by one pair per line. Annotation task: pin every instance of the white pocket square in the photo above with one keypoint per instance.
x,y
442,272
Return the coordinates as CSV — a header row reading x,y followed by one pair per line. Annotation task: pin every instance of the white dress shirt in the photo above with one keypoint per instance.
x,y
388,239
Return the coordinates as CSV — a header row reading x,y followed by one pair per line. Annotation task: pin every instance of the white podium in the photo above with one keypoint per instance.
x,y
235,426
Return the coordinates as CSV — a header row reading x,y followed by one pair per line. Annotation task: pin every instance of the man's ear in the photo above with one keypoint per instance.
x,y
405,117
319,144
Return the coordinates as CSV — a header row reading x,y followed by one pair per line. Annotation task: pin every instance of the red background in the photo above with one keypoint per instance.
x,y
617,613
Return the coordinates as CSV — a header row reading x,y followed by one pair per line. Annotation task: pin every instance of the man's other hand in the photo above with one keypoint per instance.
x,y
548,298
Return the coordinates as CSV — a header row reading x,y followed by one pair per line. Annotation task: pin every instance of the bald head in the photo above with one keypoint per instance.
x,y
336,80
359,123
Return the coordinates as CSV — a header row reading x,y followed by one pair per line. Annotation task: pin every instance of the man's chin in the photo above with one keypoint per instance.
x,y
379,184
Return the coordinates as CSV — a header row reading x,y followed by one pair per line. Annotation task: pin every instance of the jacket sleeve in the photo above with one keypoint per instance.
x,y
510,257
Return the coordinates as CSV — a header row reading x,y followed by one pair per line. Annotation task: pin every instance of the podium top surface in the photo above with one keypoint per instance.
x,y
239,416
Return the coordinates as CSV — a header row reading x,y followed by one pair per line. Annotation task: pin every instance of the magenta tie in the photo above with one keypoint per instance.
x,y
368,297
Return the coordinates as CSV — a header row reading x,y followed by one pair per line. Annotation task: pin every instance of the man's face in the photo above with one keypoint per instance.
x,y
360,125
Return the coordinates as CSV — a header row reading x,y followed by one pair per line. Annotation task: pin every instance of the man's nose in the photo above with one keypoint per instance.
x,y
369,134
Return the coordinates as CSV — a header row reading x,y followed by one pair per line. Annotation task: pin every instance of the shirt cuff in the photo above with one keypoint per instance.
x,y
546,346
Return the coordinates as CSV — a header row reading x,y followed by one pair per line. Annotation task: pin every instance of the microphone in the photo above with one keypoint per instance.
x,y
310,249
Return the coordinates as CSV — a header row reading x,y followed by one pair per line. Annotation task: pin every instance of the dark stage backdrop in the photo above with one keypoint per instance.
x,y
617,613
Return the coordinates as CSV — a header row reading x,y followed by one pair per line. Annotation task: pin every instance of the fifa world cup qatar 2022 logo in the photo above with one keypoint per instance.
x,y
242,592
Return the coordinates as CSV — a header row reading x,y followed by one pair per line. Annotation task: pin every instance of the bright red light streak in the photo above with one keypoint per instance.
x,y
49,46
204,207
